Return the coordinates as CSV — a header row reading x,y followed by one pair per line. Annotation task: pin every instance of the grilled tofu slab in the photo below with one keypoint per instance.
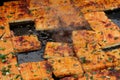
x,y
99,21
26,43
9,70
103,28
35,4
95,75
85,39
90,53
57,49
36,71
65,66
4,29
16,11
96,5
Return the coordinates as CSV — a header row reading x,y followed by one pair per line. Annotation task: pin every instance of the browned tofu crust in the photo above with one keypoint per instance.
x,y
57,49
94,75
35,4
16,11
4,28
99,21
96,5
65,66
36,71
6,47
9,67
88,50
85,39
26,43
103,27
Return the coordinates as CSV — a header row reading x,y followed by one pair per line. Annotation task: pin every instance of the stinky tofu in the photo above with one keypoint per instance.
x,y
95,5
9,69
36,71
35,4
65,66
57,49
94,75
114,52
96,58
85,39
110,38
6,46
4,29
26,43
22,14
99,21
47,22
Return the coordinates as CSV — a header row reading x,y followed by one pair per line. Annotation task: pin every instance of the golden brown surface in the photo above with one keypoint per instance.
x,y
96,5
89,53
65,66
26,43
95,75
103,27
65,14
36,71
9,67
57,49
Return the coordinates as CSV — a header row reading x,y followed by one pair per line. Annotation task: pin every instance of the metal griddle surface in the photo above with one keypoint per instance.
x,y
26,28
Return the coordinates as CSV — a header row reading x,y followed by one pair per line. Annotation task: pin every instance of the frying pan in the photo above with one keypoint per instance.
x,y
23,28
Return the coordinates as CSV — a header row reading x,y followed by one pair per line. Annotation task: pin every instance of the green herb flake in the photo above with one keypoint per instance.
x,y
83,60
9,16
17,76
2,27
75,76
5,71
47,8
110,59
2,48
48,71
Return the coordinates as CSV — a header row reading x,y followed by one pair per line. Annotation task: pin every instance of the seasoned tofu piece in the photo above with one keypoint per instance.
x,y
94,75
22,14
47,22
6,46
35,4
37,13
109,39
95,58
99,21
4,29
57,49
17,11
74,21
9,68
103,27
36,71
10,9
2,12
89,52
65,66
115,53
85,39
95,5
26,43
